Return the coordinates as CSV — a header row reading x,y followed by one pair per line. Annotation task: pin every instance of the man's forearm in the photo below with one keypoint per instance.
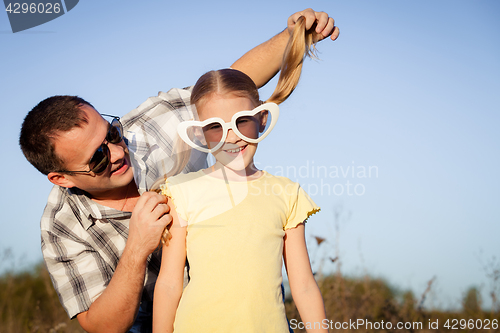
x,y
263,61
116,308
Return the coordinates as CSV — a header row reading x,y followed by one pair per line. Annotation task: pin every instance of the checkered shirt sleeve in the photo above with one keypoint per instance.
x,y
151,131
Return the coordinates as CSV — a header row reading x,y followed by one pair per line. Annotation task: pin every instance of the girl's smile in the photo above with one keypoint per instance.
x,y
235,150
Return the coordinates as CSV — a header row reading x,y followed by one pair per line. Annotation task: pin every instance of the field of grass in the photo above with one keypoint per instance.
x,y
372,305
28,303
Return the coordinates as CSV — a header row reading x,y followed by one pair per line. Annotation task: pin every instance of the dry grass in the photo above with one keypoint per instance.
x,y
373,300
29,304
348,299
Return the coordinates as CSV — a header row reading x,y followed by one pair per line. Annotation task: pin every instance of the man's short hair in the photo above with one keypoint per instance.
x,y
42,124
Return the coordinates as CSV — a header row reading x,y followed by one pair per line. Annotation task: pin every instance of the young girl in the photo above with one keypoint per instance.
x,y
233,222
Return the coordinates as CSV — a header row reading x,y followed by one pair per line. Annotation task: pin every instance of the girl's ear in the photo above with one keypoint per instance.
x,y
263,120
60,179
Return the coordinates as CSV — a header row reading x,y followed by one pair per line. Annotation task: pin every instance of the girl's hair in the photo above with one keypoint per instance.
x,y
300,45
234,82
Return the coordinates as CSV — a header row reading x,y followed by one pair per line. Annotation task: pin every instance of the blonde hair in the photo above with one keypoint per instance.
x,y
300,44
234,82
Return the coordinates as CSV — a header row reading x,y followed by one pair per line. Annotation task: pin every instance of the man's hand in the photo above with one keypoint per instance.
x,y
116,308
322,23
149,219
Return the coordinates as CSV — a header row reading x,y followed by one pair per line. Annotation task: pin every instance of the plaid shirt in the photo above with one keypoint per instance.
x,y
150,132
82,241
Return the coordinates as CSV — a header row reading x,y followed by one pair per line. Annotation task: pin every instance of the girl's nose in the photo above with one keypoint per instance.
x,y
232,137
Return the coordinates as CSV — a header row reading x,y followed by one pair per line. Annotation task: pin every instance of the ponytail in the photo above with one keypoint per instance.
x,y
300,45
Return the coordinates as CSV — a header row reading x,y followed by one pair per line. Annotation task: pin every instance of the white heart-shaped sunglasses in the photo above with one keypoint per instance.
x,y
209,135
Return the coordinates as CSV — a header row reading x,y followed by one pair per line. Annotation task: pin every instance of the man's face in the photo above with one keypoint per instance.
x,y
77,146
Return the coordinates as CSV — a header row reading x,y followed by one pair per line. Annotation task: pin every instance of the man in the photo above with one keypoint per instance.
x,y
99,234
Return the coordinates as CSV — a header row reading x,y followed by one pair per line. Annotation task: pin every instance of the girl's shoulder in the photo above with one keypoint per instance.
x,y
180,182
278,179
184,177
278,185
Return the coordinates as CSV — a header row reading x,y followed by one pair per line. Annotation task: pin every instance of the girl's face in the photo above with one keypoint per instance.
x,y
236,153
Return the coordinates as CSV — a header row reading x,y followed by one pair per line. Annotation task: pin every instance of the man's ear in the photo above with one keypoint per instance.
x,y
60,179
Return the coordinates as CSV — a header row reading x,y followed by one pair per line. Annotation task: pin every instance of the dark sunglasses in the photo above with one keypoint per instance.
x,y
100,160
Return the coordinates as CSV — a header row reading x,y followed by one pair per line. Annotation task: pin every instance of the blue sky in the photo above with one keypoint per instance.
x,y
408,91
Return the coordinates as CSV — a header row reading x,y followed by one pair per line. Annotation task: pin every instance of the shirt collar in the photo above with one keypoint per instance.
x,y
94,211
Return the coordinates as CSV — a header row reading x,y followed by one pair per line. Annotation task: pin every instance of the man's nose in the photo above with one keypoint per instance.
x,y
116,150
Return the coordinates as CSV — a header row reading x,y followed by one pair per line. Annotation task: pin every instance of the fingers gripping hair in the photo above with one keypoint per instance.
x,y
300,45
158,188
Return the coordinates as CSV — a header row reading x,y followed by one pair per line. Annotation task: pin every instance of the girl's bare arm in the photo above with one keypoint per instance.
x,y
305,291
168,289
